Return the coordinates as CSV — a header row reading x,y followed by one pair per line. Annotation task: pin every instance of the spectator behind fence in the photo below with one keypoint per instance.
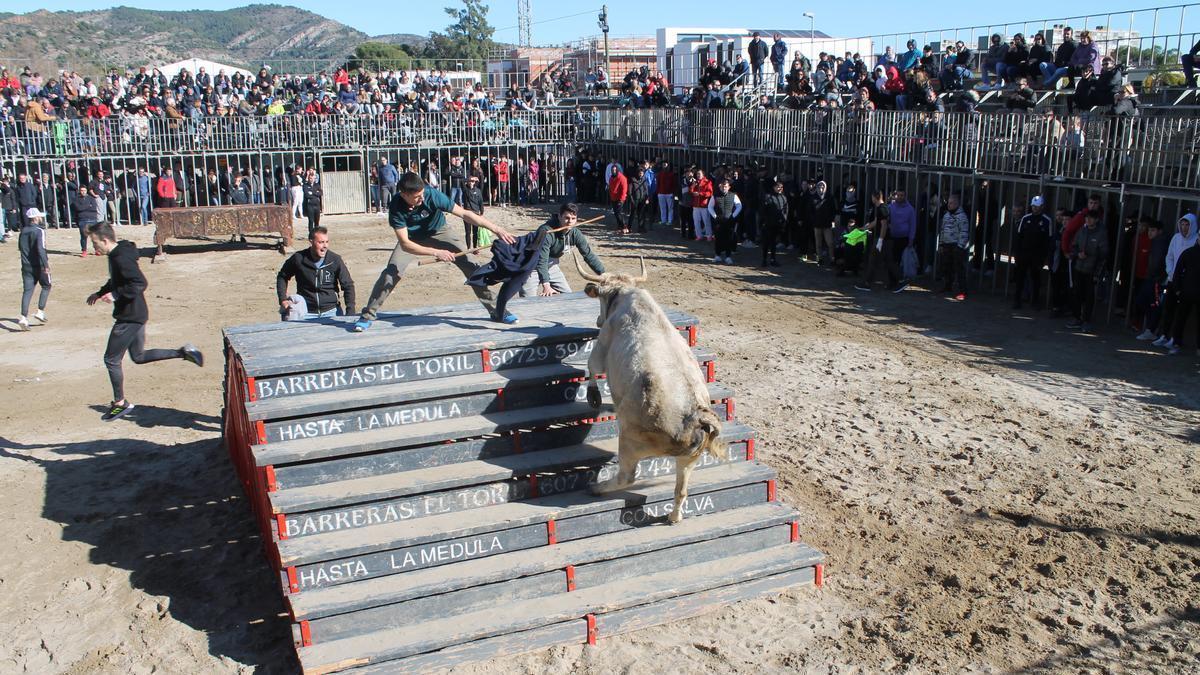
x,y
1188,61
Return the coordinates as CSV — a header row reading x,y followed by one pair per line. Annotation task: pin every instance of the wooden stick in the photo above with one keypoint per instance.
x,y
430,261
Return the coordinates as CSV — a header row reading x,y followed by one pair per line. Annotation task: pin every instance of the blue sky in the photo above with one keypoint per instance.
x,y
639,17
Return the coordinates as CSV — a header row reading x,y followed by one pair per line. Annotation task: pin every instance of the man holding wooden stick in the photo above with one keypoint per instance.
x,y
417,215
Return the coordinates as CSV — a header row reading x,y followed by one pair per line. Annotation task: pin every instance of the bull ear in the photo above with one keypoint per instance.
x,y
592,290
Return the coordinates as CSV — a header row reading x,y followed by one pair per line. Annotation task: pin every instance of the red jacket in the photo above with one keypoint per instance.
x,y
668,183
618,187
701,191
166,187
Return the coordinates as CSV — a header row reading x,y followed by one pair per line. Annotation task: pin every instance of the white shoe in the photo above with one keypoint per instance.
x,y
23,323
1170,344
40,316
728,260
1146,335
1160,342
1173,349
716,258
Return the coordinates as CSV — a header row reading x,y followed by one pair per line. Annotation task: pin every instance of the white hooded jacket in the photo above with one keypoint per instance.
x,y
1179,244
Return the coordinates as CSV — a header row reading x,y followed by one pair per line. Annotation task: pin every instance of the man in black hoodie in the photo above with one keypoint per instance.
x,y
319,274
125,289
27,197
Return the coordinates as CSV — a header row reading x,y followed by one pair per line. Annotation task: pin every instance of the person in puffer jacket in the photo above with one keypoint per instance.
x,y
954,237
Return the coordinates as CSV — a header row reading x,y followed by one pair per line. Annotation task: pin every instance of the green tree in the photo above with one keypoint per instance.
x,y
380,56
468,38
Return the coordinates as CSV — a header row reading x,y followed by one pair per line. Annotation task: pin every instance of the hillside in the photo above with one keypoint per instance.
x,y
288,38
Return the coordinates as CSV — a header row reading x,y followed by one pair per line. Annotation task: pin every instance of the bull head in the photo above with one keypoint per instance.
x,y
607,285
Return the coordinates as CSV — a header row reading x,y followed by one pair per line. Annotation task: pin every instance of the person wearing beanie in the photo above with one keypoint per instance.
x,y
35,266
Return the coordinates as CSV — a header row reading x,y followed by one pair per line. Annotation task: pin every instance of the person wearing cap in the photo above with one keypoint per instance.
x,y
35,266
417,217
1032,249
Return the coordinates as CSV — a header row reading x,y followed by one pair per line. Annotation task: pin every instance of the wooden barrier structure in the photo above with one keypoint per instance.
x,y
421,490
234,222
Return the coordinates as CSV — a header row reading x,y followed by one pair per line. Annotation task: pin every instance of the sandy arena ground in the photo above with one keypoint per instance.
x,y
993,492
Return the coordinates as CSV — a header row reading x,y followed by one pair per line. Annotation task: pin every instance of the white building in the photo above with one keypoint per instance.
x,y
683,52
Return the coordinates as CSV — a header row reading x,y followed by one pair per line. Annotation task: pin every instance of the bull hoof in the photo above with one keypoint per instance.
x,y
593,396
675,517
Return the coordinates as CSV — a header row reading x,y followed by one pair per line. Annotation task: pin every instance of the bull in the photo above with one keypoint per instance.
x,y
661,401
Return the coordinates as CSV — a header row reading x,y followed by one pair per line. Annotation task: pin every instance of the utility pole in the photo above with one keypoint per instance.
x,y
604,29
524,23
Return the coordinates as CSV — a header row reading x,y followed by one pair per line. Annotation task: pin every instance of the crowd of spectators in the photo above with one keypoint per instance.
x,y
872,234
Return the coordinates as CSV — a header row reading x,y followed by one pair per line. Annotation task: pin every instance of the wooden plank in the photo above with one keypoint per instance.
x,y
459,487
409,459
541,585
416,337
568,632
327,437
343,421
400,587
384,537
443,632
415,611
337,567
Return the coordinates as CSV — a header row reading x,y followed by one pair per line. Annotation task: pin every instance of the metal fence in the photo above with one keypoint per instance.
x,y
118,135
1157,152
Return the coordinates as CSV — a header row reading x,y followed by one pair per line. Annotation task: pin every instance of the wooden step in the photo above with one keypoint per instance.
x,y
579,577
371,396
604,625
586,461
439,633
334,422
351,555
289,350
321,445
395,588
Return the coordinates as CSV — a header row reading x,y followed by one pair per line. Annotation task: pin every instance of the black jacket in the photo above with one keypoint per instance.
x,y
775,209
312,197
1033,235
1187,274
1062,55
318,287
822,211
32,244
127,285
758,51
84,209
27,195
473,199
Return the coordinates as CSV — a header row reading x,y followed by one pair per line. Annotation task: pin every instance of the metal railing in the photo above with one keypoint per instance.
x,y
1159,152
140,134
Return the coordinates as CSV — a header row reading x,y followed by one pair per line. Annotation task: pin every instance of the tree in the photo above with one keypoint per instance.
x,y
380,56
468,38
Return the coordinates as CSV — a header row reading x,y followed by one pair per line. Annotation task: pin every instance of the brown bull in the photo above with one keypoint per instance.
x,y
660,398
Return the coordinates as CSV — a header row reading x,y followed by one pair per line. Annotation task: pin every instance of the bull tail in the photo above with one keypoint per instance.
x,y
706,436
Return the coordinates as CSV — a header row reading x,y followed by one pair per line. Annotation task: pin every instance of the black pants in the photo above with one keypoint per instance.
x,y
28,281
130,337
768,236
889,257
618,209
725,237
83,235
314,219
952,267
1060,286
1028,268
685,221
1183,312
1085,295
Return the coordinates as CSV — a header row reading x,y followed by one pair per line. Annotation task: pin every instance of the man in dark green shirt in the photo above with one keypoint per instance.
x,y
417,215
549,279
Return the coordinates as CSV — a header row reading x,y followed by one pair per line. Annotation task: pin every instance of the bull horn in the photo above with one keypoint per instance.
x,y
640,279
588,276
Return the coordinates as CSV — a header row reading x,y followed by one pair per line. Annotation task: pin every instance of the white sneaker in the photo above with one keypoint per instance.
x,y
1170,344
728,260
40,316
1146,335
716,258
1173,349
1160,342
23,323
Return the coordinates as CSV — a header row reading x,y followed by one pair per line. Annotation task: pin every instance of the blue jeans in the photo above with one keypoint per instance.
x,y
144,208
995,68
1050,74
456,195
780,75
